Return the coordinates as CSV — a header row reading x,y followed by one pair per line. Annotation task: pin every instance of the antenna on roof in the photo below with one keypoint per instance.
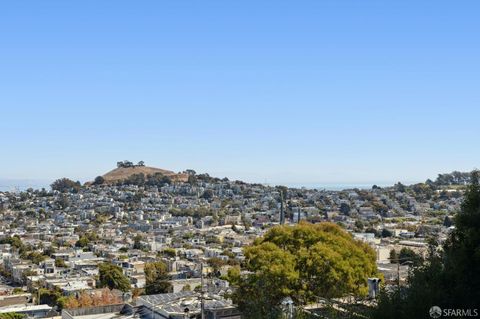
x,y
282,211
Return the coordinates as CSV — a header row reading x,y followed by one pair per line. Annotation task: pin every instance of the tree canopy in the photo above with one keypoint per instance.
x,y
111,276
89,299
65,185
303,262
450,277
453,178
127,163
156,275
99,180
140,179
12,315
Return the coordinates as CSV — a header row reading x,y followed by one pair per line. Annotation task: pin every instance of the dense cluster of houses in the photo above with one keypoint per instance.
x,y
63,237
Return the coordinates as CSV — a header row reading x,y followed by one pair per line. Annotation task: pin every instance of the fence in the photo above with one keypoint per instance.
x,y
71,313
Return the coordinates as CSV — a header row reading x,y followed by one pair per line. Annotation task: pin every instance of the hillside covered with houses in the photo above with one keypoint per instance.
x,y
56,244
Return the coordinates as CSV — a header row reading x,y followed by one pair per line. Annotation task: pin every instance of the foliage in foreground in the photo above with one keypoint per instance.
x,y
450,278
303,262
12,315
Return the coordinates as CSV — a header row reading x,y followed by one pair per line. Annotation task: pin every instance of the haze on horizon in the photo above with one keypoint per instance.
x,y
307,92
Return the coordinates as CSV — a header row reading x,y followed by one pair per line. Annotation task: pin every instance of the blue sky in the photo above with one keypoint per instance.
x,y
280,91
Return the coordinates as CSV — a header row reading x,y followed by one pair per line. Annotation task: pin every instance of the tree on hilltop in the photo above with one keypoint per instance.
x,y
125,164
99,180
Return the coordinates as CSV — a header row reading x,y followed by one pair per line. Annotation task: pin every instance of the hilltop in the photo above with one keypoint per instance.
x,y
126,169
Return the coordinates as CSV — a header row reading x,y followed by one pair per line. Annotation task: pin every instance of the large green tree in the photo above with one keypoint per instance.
x,y
111,276
407,254
156,275
14,241
303,262
450,277
65,185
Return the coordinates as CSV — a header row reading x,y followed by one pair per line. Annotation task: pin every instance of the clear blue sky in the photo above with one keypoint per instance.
x,y
276,91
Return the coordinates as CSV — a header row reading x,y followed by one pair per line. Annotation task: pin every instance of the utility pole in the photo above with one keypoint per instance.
x,y
398,274
406,261
202,291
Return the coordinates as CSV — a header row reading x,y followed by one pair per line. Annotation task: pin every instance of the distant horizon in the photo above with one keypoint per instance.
x,y
24,183
11,185
7,184
260,180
